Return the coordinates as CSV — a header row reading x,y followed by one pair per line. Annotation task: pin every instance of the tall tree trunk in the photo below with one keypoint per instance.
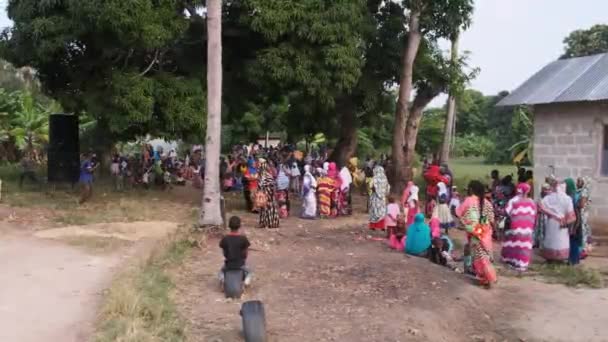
x,y
211,214
423,98
347,141
399,163
451,115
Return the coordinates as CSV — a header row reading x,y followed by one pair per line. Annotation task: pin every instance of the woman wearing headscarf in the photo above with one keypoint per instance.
x,y
282,193
406,194
325,189
576,233
519,239
377,200
418,240
336,195
346,181
559,214
411,208
539,230
309,189
584,193
269,216
250,182
477,216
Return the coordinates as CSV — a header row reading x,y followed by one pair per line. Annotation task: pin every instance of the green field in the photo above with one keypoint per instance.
x,y
466,170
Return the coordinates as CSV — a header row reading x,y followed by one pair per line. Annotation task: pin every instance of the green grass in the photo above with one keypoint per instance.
x,y
466,170
568,275
138,306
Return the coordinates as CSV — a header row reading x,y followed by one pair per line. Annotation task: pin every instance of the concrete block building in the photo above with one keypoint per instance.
x,y
569,98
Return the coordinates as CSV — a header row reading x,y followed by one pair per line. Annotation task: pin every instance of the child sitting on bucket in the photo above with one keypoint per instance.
x,y
235,247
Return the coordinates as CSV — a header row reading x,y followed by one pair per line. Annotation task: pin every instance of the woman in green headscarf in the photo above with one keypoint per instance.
x,y
584,192
575,229
570,187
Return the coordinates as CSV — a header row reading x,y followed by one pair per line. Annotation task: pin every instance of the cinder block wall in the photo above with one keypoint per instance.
x,y
569,137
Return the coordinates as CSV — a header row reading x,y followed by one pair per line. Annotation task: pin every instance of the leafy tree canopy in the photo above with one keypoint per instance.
x,y
586,42
137,66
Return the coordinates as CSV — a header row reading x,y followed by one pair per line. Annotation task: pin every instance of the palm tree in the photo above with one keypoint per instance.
x,y
211,214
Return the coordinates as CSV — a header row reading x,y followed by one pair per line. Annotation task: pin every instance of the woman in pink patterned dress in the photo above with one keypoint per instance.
x,y
519,239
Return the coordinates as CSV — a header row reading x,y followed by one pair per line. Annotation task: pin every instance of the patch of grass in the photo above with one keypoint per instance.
x,y
138,306
569,276
466,170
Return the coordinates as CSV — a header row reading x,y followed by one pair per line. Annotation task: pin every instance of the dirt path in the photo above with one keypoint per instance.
x,y
53,280
49,291
325,281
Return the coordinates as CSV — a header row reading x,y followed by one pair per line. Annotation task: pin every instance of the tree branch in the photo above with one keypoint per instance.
x,y
151,64
127,58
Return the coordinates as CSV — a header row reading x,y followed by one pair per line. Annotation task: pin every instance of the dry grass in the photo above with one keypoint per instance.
x,y
138,306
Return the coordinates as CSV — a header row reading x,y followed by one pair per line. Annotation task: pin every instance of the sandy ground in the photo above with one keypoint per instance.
x,y
327,281
51,291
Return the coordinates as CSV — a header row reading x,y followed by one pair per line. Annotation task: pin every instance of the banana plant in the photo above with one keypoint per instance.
x,y
523,149
30,124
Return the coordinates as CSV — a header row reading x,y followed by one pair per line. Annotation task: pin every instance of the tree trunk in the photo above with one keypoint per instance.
x,y
423,98
399,163
451,115
211,214
347,141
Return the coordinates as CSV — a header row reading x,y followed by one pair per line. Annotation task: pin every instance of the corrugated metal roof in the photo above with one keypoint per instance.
x,y
566,80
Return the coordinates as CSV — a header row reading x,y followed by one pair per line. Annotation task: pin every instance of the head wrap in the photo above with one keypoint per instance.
x,y
523,188
346,178
380,182
414,194
442,189
406,192
570,186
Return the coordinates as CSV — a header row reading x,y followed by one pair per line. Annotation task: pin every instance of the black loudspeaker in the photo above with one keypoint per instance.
x,y
64,149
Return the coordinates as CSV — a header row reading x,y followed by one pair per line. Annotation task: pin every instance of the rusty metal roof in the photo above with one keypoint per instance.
x,y
565,80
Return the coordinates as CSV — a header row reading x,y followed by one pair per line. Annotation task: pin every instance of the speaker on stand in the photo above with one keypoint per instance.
x,y
64,149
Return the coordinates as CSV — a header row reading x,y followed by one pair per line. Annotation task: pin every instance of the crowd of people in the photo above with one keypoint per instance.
x,y
504,211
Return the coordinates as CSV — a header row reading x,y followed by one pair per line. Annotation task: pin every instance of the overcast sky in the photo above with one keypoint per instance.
x,y
511,39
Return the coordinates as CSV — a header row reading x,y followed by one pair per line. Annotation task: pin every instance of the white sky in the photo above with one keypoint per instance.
x,y
512,39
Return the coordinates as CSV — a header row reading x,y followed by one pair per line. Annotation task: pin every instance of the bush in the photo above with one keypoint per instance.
x,y
472,145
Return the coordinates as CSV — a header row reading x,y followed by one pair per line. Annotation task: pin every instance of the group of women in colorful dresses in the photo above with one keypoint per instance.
x,y
267,191
329,194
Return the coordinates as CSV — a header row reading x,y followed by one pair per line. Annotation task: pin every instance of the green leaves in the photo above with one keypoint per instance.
x,y
586,42
24,120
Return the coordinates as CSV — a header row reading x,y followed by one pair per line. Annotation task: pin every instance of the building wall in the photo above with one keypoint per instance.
x,y
569,137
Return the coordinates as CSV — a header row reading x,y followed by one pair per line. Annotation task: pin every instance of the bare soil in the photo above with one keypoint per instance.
x,y
53,280
327,280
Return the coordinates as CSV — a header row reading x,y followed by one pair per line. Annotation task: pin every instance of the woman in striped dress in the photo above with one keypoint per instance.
x,y
325,189
477,216
519,239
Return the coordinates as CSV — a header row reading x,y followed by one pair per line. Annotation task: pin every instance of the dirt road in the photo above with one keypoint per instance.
x,y
50,291
326,281
52,280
